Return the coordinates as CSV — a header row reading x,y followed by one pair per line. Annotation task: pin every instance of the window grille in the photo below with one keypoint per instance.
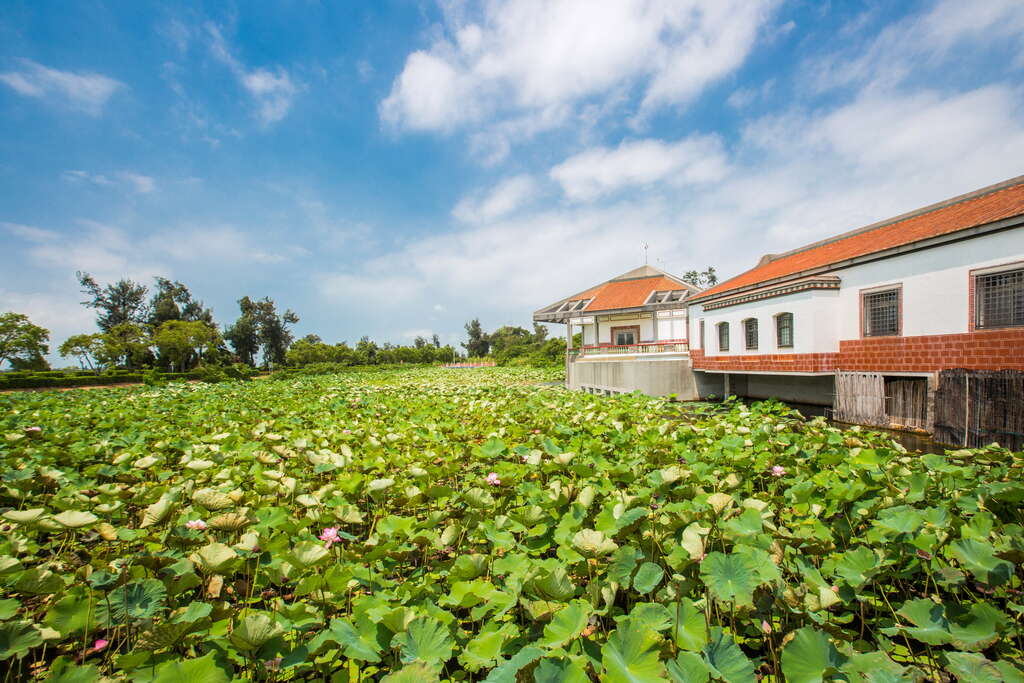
x,y
999,299
702,335
750,333
882,313
723,336
784,330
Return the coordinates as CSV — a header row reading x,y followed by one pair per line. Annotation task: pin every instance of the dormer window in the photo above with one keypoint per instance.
x,y
576,305
666,296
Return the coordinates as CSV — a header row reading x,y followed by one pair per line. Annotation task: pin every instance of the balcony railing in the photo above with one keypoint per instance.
x,y
629,349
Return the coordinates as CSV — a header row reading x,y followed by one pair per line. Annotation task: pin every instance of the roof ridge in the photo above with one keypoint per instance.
x,y
959,199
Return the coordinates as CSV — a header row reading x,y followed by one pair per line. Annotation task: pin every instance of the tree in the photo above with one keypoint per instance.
x,y
22,344
244,334
125,344
436,341
275,337
478,344
185,342
173,301
84,347
420,342
122,302
703,279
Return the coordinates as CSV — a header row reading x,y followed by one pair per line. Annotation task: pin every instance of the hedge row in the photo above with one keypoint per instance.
x,y
34,380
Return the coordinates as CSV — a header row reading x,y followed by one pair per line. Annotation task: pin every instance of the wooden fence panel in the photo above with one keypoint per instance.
x,y
860,398
974,408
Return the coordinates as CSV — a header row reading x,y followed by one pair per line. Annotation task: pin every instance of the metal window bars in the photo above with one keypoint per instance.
x,y
882,313
999,299
784,330
750,333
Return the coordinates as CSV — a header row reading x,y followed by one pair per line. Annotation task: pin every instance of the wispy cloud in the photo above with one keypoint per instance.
x,y
136,182
82,91
272,89
504,198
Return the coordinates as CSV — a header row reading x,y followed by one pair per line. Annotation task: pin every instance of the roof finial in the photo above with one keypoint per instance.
x,y
645,253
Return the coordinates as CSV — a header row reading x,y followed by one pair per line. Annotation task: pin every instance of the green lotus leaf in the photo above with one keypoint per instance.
x,y
730,578
426,640
354,644
929,621
690,630
75,519
647,578
163,636
624,561
158,512
858,566
980,559
145,462
873,667
64,670
26,517
560,670
809,657
974,668
308,554
215,558
593,543
201,670
39,581
484,650
230,521
254,631
135,600
551,585
17,638
631,655
193,613
567,624
508,670
726,660
377,487
688,667
720,501
415,672
212,499
73,613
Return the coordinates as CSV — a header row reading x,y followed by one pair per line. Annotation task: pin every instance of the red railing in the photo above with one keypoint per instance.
x,y
668,346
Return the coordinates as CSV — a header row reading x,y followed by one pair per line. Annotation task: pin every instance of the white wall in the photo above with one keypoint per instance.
x,y
935,298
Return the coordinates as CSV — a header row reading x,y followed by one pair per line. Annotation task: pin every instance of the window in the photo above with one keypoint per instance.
x,y
784,330
665,297
750,333
999,299
723,336
702,335
882,313
625,336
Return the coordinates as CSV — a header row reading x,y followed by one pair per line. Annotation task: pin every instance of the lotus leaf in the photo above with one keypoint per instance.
x,y
592,543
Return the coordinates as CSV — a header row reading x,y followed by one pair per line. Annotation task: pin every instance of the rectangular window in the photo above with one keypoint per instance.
x,y
882,313
702,335
723,336
750,333
999,299
625,336
784,330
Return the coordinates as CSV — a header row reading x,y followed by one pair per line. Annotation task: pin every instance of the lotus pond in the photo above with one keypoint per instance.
x,y
433,524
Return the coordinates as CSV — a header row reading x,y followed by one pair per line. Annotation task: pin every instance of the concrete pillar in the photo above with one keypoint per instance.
x,y
568,354
725,385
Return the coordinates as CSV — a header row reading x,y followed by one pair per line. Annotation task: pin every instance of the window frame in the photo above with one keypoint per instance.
x,y
701,329
636,334
779,317
723,327
865,293
977,298
748,325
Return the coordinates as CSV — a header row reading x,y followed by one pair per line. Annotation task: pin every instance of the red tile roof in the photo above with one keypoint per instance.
x,y
957,214
626,293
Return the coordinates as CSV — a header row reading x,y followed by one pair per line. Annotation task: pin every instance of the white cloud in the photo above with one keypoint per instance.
x,y
598,171
217,244
136,182
504,198
272,89
82,91
518,59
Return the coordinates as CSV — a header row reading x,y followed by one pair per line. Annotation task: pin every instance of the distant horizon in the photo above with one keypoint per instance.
x,y
395,170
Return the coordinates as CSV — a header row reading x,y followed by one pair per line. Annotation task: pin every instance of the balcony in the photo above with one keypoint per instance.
x,y
612,351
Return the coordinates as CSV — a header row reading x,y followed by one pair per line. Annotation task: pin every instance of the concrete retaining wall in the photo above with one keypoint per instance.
x,y
651,377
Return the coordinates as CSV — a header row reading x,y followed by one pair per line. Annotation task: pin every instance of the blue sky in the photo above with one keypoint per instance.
x,y
397,168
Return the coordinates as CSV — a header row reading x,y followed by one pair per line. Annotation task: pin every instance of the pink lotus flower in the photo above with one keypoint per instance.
x,y
536,431
765,626
33,430
329,536
778,471
196,524
100,645
493,480
346,431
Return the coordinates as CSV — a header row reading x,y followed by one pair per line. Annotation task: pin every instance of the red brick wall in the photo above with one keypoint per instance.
x,y
778,362
979,350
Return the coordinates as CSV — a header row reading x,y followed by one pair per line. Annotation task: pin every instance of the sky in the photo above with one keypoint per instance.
x,y
399,167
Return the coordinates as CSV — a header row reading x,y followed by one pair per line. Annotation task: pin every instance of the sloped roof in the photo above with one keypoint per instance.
x,y
629,290
990,204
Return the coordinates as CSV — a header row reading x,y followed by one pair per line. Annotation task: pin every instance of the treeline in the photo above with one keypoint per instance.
x,y
312,350
509,345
